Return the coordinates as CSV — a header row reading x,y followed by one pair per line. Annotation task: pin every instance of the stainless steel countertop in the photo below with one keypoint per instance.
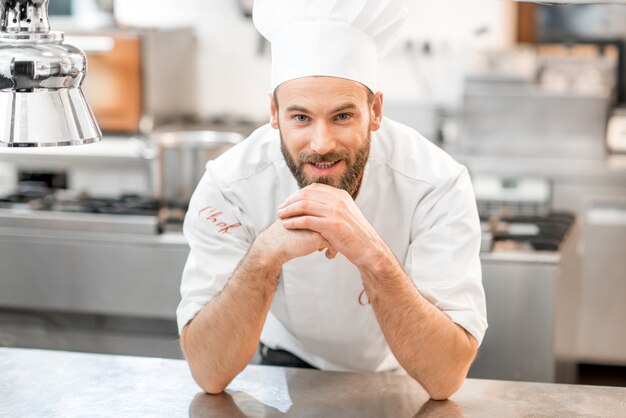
x,y
38,383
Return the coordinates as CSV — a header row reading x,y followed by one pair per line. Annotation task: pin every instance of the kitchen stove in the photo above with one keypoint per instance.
x,y
528,233
77,256
80,256
90,273
35,206
532,288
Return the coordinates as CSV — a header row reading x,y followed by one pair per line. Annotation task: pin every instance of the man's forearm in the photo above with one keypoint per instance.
x,y
433,349
220,341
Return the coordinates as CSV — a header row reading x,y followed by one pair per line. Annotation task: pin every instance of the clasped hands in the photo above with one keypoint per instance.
x,y
326,217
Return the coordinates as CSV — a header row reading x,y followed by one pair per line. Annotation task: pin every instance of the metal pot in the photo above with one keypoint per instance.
x,y
182,157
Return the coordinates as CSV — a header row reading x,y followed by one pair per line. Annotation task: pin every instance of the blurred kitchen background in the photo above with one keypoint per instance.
x,y
531,98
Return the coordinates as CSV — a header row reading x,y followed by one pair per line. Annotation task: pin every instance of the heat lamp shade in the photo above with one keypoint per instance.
x,y
46,118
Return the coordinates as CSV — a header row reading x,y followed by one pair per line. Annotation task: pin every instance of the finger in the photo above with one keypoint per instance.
x,y
309,222
314,192
312,197
303,207
330,249
328,245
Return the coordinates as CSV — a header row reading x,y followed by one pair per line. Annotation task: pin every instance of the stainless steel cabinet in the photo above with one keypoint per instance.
x,y
603,308
97,273
585,186
532,313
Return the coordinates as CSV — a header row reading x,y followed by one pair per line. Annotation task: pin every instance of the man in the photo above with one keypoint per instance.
x,y
333,235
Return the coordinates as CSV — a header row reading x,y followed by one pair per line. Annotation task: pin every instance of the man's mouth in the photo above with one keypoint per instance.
x,y
325,168
325,165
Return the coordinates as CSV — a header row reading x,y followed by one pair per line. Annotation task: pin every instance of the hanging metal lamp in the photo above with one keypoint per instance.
x,y
41,101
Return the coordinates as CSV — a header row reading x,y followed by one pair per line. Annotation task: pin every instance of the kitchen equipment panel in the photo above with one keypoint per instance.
x,y
531,281
602,331
138,79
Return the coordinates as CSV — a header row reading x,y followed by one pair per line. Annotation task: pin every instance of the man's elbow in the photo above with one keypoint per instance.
x,y
442,385
448,381
211,382
440,391
211,386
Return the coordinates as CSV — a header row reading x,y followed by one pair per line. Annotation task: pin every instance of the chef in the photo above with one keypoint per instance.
x,y
334,236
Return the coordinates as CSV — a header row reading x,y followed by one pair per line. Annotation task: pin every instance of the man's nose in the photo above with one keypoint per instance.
x,y
322,140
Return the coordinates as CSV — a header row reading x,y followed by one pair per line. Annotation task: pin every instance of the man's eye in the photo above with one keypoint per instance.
x,y
301,118
344,116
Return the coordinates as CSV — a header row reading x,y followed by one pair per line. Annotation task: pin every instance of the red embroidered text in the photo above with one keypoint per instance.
x,y
212,214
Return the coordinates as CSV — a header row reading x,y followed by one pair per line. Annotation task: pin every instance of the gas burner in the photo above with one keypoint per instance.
x,y
26,193
124,205
168,216
538,233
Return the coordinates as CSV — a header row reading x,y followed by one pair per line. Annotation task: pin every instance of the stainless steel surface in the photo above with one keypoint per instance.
x,y
182,158
578,185
139,275
13,17
41,102
532,301
87,222
558,107
574,180
100,273
61,384
131,336
95,263
528,122
602,332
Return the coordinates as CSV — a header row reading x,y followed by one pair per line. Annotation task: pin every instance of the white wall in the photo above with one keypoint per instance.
x,y
234,77
452,29
234,73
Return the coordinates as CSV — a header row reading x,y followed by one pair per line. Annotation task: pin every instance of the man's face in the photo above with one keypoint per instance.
x,y
325,125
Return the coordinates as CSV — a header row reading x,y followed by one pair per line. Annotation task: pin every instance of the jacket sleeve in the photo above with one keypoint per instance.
x,y
218,238
443,257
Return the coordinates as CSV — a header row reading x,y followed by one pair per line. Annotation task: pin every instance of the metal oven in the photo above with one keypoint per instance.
x,y
91,257
531,276
92,274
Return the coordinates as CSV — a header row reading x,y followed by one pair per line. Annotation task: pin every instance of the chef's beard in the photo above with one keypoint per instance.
x,y
350,181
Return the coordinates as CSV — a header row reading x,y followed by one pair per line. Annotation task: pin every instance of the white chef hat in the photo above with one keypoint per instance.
x,y
338,38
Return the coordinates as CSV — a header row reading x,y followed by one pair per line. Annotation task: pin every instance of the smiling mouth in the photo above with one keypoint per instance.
x,y
325,165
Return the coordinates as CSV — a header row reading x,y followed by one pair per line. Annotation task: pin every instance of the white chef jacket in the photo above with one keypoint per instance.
x,y
419,200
